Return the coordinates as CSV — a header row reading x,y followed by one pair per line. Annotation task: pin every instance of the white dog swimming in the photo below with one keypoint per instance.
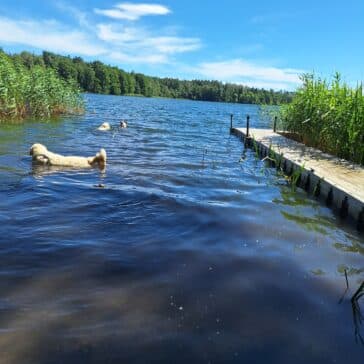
x,y
41,155
104,126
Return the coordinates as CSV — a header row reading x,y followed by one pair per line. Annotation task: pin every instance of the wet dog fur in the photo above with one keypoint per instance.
x,y
41,155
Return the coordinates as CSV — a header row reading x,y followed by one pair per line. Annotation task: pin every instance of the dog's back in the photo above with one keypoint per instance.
x,y
43,156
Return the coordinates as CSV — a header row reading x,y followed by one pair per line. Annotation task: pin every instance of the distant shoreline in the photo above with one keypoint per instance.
x,y
99,78
174,98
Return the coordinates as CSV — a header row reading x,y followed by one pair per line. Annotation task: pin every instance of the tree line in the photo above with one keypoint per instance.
x,y
97,77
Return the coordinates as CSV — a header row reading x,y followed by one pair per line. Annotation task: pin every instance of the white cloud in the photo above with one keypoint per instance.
x,y
117,42
267,85
138,58
242,71
139,45
172,45
80,16
48,35
107,33
137,37
129,11
129,45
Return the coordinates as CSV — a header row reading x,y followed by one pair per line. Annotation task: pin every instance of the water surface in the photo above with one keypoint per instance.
x,y
192,251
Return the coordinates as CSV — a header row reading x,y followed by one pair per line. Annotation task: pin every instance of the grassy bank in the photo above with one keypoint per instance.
x,y
34,92
328,115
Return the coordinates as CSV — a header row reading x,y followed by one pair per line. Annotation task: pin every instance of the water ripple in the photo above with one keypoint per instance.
x,y
186,249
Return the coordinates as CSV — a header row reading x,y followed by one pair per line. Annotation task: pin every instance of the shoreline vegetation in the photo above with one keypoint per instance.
x,y
35,92
99,78
328,115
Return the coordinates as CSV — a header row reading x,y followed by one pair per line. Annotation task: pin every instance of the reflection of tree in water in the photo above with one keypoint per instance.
x,y
355,247
357,315
355,305
294,198
350,271
299,208
317,272
316,223
39,171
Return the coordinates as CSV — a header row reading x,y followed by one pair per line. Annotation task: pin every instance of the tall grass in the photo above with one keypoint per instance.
x,y
328,115
37,92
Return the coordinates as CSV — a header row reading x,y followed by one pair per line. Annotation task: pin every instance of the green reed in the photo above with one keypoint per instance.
x,y
37,92
328,115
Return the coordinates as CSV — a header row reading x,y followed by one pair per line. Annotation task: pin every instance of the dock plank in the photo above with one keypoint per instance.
x,y
340,174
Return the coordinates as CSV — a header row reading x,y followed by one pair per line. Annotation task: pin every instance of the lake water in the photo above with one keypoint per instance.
x,y
193,252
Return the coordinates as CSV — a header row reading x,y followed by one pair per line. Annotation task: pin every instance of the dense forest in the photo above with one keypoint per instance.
x,y
96,77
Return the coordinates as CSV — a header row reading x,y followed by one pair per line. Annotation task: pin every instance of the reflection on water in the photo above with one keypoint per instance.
x,y
318,272
353,246
316,223
39,170
357,315
289,197
189,252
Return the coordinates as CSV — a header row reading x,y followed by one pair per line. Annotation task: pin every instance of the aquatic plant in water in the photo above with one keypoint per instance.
x,y
328,116
35,92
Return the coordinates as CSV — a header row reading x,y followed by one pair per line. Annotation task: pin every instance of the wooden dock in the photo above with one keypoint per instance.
x,y
338,183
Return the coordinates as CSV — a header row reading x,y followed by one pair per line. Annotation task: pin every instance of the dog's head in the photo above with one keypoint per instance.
x,y
37,149
105,126
99,159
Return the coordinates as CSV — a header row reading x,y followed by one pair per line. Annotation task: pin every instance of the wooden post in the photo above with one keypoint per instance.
x,y
247,126
275,124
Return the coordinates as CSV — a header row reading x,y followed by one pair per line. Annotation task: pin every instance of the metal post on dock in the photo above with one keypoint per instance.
x,y
247,125
275,124
231,122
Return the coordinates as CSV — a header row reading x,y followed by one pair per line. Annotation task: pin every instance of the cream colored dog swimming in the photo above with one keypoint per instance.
x,y
104,126
41,155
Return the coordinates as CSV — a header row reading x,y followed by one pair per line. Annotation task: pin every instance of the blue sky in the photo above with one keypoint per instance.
x,y
258,43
